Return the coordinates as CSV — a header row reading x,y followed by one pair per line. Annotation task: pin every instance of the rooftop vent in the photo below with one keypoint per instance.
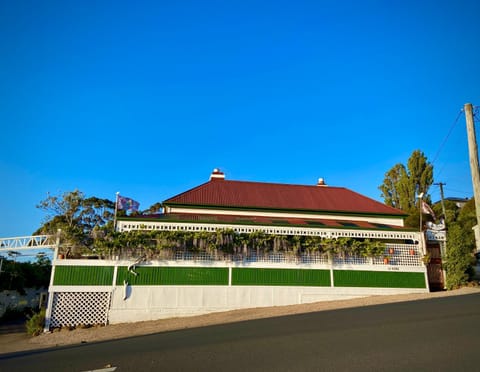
x,y
217,174
321,182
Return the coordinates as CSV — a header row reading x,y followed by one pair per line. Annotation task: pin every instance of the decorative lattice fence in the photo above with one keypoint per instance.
x,y
394,254
70,309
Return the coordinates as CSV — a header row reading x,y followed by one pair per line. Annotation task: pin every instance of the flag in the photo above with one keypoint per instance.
x,y
127,203
427,210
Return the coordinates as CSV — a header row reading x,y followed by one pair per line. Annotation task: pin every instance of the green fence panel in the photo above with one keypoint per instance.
x,y
384,279
173,276
83,275
287,277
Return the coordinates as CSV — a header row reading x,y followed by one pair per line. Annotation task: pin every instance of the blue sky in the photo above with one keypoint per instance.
x,y
146,98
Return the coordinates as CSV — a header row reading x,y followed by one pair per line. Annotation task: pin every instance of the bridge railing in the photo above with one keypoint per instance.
x,y
28,242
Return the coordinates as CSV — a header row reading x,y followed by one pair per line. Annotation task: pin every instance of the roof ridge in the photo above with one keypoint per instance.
x,y
284,184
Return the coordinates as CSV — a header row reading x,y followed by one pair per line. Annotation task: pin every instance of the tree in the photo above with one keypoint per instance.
x,y
402,183
21,275
467,218
391,185
153,209
420,173
76,216
451,210
459,259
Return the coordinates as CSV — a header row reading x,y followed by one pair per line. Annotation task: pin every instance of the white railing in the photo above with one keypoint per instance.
x,y
123,226
252,257
394,254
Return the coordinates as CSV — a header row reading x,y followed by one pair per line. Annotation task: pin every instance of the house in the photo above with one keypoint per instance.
x,y
273,208
239,244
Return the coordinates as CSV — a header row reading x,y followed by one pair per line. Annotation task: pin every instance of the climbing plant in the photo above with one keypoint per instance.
x,y
227,241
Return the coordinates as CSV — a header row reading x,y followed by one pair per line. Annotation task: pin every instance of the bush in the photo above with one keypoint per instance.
x,y
35,323
459,258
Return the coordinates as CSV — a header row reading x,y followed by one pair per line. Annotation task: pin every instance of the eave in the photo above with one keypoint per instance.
x,y
284,211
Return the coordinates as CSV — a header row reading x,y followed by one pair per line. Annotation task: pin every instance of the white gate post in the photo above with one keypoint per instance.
x,y
48,312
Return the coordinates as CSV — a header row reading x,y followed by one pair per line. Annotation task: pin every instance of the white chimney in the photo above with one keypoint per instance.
x,y
321,182
217,174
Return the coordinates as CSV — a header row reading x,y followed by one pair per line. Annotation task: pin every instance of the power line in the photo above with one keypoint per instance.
x,y
476,113
459,191
476,118
446,138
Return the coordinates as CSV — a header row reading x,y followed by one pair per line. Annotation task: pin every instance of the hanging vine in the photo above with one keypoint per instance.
x,y
228,242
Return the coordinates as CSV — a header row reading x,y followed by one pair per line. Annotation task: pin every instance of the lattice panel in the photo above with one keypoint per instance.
x,y
402,255
71,309
351,260
397,254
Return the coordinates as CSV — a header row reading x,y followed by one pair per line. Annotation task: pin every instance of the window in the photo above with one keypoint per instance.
x,y
348,224
315,223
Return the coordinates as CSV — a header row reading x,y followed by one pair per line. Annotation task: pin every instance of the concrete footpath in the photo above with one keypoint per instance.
x,y
13,335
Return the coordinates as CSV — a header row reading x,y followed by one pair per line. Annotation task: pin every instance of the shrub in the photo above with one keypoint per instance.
x,y
35,323
459,257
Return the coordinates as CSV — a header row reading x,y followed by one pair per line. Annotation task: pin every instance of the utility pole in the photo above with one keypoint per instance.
x,y
441,184
420,196
473,155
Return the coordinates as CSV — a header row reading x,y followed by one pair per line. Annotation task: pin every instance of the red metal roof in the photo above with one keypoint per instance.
x,y
259,195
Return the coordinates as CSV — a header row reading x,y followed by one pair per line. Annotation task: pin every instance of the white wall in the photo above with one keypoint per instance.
x,y
160,302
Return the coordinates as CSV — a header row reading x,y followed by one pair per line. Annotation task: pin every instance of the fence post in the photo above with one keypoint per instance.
x,y
330,260
51,293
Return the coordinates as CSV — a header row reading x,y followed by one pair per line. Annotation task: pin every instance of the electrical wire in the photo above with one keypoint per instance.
x,y
447,137
476,118
456,191
476,114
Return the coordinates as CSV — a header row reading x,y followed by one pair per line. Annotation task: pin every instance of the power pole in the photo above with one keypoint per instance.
x,y
473,155
441,184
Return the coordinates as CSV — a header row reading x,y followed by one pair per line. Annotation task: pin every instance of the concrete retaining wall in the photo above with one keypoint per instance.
x,y
150,303
166,289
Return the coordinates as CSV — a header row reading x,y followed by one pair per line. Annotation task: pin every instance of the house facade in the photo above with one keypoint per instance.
x,y
280,244
284,209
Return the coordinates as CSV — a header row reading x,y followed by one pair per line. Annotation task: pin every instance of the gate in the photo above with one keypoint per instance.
x,y
436,279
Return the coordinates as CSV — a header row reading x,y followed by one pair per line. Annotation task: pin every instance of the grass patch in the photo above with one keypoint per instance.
x,y
35,323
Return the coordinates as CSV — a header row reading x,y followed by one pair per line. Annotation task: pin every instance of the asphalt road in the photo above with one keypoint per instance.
x,y
432,335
